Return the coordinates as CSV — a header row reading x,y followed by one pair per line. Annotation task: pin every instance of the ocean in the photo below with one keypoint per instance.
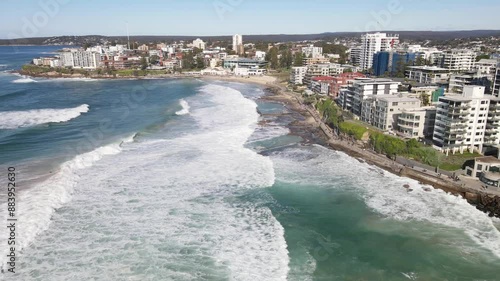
x,y
177,179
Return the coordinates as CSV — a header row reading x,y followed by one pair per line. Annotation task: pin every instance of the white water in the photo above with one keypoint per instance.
x,y
185,108
37,204
169,209
24,80
29,118
384,193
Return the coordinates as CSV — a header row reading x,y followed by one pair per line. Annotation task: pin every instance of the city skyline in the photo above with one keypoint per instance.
x,y
224,17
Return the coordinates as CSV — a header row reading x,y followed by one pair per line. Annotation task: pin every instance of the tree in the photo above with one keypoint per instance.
x,y
154,59
200,62
273,58
144,63
299,59
187,60
483,56
286,59
196,51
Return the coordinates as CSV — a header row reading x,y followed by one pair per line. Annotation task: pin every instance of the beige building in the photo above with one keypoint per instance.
x,y
417,123
383,111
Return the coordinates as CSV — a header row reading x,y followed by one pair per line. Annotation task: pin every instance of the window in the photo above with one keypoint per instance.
x,y
480,167
394,104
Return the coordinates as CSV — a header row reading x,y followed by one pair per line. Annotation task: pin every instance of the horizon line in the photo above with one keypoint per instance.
x,y
272,34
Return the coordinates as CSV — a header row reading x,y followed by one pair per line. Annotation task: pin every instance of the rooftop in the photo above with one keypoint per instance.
x,y
426,67
488,160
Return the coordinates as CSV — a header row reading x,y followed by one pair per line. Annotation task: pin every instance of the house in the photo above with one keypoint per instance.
x,y
486,169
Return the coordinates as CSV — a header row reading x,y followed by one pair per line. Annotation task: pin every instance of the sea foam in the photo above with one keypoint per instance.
x,y
24,80
185,108
384,193
41,201
175,199
29,118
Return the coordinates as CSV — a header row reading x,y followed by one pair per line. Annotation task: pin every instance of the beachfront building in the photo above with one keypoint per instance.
x,y
428,74
198,43
244,71
297,75
316,70
342,81
238,44
321,85
236,62
311,61
458,60
382,111
312,52
486,169
351,99
416,123
374,43
467,121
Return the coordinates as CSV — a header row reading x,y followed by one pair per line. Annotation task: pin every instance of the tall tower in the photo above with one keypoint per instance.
x,y
238,44
373,43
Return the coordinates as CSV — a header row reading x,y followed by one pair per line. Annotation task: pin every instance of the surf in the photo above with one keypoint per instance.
x,y
33,117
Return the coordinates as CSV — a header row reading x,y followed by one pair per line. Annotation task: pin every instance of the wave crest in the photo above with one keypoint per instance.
x,y
29,118
185,108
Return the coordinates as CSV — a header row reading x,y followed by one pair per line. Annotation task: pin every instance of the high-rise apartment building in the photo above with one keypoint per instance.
x,y
238,44
373,43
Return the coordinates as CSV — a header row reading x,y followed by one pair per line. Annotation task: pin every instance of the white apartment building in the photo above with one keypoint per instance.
x,y
373,43
382,111
297,75
316,70
312,52
496,83
427,74
352,98
143,47
260,55
458,60
416,123
486,66
80,59
467,121
355,55
198,43
458,81
238,44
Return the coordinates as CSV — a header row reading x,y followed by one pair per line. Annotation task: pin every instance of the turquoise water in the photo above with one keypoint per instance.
x,y
175,180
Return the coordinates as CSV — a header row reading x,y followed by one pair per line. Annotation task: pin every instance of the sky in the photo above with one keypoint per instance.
x,y
40,18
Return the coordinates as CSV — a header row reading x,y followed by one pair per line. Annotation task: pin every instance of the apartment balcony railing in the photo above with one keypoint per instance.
x,y
407,126
411,120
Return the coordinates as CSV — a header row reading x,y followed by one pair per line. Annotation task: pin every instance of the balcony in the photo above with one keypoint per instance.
x,y
410,120
407,126
454,138
490,139
463,106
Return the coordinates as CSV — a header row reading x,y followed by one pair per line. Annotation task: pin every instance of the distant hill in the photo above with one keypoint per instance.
x,y
98,39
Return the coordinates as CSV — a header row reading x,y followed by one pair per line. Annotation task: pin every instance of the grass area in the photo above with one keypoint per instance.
x,y
36,69
390,145
281,75
455,162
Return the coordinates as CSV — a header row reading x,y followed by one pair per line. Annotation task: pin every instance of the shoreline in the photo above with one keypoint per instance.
x,y
484,201
264,80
